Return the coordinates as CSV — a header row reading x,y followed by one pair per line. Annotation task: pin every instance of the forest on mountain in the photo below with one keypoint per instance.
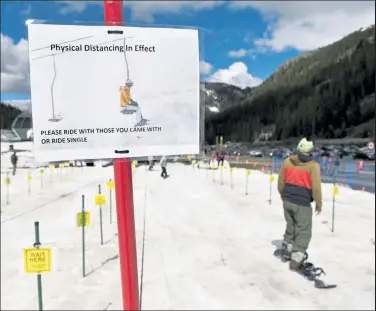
x,y
7,115
221,95
326,93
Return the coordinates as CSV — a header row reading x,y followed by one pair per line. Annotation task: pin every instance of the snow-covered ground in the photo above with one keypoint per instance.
x,y
25,157
24,145
207,246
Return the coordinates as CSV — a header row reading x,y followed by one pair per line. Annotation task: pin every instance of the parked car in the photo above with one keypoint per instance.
x,y
256,153
327,153
281,153
364,155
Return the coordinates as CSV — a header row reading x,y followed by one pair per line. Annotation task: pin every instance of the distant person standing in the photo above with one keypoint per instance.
x,y
325,165
151,162
218,158
337,164
360,166
221,159
299,184
163,163
213,159
14,160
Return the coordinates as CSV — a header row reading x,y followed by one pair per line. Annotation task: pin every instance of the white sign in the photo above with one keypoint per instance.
x,y
112,92
371,145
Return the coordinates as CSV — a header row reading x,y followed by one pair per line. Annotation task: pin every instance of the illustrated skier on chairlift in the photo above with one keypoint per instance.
x,y
127,104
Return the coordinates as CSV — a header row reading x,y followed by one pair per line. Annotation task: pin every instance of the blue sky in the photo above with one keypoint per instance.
x,y
263,34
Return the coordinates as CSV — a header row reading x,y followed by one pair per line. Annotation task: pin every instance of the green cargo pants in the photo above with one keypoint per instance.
x,y
298,226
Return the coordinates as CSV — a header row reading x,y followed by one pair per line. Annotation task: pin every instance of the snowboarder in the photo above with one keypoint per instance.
x,y
299,184
163,163
14,160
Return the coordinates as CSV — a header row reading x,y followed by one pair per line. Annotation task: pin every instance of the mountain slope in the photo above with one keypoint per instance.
x,y
218,97
328,92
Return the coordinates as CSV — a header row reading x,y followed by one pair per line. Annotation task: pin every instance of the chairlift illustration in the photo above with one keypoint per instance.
x,y
127,104
55,117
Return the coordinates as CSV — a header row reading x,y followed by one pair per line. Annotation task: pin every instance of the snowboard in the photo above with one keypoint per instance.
x,y
308,271
166,177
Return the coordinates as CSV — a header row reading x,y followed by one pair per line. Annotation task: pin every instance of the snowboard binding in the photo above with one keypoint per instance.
x,y
309,270
305,268
312,273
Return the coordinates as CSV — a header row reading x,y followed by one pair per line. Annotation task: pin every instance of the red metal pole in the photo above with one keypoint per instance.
x,y
126,233
113,15
113,12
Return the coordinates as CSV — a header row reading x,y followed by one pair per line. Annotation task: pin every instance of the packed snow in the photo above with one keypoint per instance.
x,y
207,245
25,157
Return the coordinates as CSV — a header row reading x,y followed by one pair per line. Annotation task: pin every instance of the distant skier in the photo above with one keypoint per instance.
x,y
14,160
151,162
299,184
163,163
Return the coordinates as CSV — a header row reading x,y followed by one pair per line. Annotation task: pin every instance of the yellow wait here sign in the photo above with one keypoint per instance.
x,y
37,260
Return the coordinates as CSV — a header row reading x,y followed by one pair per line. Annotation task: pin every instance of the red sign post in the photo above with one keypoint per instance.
x,y
113,16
